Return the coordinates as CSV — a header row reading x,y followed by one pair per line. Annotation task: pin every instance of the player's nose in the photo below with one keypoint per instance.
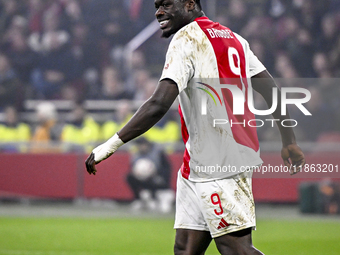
x,y
159,12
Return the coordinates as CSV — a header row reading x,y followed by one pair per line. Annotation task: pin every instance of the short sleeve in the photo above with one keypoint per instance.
x,y
178,64
255,65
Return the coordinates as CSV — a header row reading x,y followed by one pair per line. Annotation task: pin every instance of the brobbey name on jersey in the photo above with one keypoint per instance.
x,y
217,33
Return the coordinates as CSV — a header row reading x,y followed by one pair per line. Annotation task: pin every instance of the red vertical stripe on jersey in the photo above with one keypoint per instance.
x,y
185,169
244,135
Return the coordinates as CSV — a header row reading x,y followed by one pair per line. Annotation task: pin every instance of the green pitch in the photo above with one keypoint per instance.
x,y
82,236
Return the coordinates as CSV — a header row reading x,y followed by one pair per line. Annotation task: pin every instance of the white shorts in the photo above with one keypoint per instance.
x,y
219,206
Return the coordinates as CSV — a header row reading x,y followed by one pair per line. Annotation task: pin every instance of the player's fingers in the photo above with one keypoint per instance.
x,y
292,168
94,170
90,164
287,163
295,169
298,166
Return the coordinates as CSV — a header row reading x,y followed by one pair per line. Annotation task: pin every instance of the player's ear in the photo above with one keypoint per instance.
x,y
191,4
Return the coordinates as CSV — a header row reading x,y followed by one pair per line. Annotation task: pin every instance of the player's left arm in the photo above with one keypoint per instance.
x,y
146,117
291,153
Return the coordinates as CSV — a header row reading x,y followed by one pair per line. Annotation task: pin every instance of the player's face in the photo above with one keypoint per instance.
x,y
172,15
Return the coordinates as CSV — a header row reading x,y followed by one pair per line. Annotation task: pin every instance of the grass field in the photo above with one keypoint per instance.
x,y
123,236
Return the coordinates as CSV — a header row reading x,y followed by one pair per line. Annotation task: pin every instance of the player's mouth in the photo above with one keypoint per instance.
x,y
163,23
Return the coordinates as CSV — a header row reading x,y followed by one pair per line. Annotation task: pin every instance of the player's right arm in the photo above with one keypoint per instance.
x,y
146,116
151,111
177,71
291,153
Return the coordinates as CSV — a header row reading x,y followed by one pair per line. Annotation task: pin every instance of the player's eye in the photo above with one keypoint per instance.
x,y
166,4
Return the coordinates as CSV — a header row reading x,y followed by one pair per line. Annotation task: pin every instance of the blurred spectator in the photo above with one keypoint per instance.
x,y
297,42
135,61
11,88
36,12
237,15
284,67
48,130
112,85
24,60
150,172
92,83
301,52
330,192
329,33
9,9
17,26
13,132
106,20
258,27
113,28
140,78
84,48
321,65
122,116
309,13
287,32
56,67
276,8
81,132
140,13
71,12
262,50
39,40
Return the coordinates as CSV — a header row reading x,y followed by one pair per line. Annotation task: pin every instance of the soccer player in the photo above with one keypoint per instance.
x,y
218,204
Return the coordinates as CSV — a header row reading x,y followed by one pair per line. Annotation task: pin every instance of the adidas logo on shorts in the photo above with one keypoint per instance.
x,y
223,224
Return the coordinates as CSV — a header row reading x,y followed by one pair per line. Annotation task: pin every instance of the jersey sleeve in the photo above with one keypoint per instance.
x,y
255,65
178,63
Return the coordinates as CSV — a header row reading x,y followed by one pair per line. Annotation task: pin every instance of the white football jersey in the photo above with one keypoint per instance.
x,y
202,57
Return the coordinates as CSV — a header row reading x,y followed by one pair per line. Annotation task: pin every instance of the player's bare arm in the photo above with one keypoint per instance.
x,y
291,153
151,111
146,116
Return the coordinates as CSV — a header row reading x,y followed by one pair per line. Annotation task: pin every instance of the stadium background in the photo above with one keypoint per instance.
x,y
95,61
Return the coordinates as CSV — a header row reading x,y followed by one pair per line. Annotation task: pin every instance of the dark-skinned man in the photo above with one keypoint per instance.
x,y
209,204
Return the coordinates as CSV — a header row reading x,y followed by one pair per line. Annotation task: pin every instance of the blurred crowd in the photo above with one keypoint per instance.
x,y
74,50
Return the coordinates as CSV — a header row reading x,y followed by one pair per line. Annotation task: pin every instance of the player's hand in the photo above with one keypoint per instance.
x,y
102,152
98,154
293,158
91,164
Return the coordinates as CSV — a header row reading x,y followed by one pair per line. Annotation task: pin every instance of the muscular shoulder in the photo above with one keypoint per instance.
x,y
188,32
189,40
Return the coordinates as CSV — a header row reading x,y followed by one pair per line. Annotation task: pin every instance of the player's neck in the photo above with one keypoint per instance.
x,y
199,14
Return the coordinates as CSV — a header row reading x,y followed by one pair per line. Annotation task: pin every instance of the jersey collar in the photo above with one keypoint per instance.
x,y
202,18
